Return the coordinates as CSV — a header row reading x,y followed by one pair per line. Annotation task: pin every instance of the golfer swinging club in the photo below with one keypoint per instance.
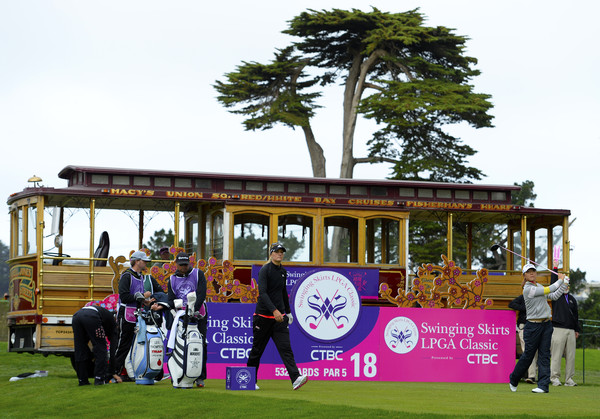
x,y
538,329
272,317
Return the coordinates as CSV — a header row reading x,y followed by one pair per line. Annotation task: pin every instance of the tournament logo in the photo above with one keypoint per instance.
x,y
326,305
401,335
242,377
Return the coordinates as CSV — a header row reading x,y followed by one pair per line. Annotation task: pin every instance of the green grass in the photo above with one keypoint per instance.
x,y
59,396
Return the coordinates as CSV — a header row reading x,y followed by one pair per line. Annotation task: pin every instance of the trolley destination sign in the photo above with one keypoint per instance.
x,y
318,200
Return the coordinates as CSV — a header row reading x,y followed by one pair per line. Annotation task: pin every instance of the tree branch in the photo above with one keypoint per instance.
x,y
297,72
364,70
358,160
405,70
373,86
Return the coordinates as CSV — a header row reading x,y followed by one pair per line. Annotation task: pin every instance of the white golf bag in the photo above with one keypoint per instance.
x,y
185,361
144,362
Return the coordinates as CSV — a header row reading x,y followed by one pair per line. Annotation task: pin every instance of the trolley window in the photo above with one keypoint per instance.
x,y
340,239
250,236
31,229
382,241
19,232
295,231
214,235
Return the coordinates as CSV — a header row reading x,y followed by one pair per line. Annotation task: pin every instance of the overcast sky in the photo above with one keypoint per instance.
x,y
129,84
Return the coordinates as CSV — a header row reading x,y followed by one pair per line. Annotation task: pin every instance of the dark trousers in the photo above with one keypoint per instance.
x,y
126,335
264,329
537,337
87,327
202,327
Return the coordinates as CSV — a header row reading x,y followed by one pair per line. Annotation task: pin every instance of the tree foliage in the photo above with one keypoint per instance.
x,y
525,196
252,247
160,238
590,309
4,271
577,281
409,78
428,241
273,93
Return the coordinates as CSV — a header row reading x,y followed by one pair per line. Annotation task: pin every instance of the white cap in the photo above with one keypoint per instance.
x,y
140,255
528,267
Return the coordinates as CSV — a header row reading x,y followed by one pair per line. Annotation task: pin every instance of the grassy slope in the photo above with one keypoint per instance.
x,y
59,396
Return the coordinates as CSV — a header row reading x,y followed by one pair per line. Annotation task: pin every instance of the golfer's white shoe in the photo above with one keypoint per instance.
x,y
512,388
300,381
539,390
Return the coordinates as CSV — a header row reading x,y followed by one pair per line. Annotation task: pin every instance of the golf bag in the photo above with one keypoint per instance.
x,y
144,362
185,361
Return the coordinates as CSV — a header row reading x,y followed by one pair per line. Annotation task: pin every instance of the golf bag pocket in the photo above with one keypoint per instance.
x,y
193,354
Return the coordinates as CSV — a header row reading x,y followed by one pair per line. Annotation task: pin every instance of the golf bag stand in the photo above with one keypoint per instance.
x,y
144,362
185,361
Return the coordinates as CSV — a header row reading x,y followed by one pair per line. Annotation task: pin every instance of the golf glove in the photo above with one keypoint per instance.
x,y
290,318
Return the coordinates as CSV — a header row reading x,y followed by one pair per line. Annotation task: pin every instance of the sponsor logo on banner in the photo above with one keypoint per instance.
x,y
326,305
401,335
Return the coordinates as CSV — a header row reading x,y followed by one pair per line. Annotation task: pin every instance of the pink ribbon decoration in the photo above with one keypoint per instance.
x,y
557,252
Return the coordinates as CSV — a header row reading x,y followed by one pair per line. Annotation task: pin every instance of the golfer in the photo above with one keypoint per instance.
x,y
272,317
538,329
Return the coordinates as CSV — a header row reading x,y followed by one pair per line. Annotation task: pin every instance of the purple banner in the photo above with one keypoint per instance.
x,y
366,281
385,344
335,337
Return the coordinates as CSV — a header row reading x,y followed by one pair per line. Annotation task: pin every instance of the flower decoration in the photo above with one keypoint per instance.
x,y
110,303
222,287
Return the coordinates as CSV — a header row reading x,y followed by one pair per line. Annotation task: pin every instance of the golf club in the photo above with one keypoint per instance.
x,y
497,246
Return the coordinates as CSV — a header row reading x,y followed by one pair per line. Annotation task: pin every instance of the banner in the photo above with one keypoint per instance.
x,y
334,337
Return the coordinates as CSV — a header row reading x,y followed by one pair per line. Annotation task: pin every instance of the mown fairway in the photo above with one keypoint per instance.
x,y
59,396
